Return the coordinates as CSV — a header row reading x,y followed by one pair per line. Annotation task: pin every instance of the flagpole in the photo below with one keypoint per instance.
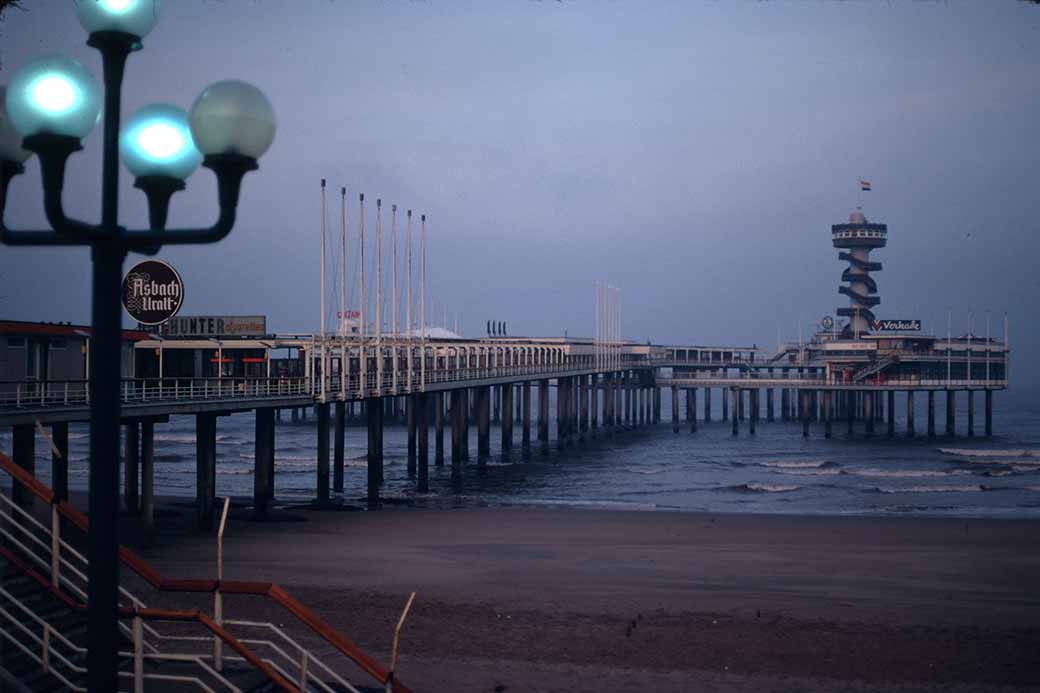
x,y
362,348
344,360
321,302
393,308
408,298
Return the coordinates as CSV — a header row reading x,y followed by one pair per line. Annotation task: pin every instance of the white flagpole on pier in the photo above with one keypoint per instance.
x,y
422,301
321,346
393,309
379,295
362,350
344,360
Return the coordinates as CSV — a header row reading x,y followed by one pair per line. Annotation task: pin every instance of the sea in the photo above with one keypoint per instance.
x,y
649,468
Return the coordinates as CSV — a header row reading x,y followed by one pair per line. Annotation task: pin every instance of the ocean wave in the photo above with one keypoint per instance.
x,y
189,438
907,473
990,452
797,464
753,487
1026,469
810,471
646,470
968,488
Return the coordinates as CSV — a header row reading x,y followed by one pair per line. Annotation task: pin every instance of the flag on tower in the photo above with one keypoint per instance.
x,y
864,185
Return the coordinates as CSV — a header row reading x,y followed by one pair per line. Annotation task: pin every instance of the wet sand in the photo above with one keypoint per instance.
x,y
562,599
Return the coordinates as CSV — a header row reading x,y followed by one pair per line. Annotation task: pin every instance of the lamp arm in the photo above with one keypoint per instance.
x,y
229,169
8,170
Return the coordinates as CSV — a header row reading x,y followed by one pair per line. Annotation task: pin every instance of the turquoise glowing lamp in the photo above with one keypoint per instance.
x,y
132,17
156,145
53,95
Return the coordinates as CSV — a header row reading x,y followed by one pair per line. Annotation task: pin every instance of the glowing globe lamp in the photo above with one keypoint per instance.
x,y
232,117
156,141
134,17
10,140
53,95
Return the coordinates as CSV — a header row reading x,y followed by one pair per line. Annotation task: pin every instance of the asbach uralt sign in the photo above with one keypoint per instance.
x,y
152,292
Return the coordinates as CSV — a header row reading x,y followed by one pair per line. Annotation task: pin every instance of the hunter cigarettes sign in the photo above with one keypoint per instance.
x,y
152,292
216,326
896,325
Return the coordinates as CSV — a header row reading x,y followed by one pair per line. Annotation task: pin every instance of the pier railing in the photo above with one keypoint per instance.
x,y
45,555
23,394
794,380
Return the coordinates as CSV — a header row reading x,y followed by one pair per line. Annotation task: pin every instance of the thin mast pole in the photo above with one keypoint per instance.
x,y
393,310
949,346
422,301
1007,349
408,310
971,327
344,361
322,292
379,295
363,361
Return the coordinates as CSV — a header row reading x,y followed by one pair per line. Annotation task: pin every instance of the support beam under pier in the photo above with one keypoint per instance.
x,y
263,462
205,469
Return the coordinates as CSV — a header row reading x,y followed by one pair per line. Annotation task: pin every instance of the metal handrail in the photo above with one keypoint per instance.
x,y
269,590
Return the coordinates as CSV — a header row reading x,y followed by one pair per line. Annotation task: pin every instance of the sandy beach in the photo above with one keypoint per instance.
x,y
591,600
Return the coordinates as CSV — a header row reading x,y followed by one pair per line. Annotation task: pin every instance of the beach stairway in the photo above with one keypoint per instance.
x,y
43,622
27,610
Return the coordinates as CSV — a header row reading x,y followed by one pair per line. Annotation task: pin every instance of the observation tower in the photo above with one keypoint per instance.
x,y
856,239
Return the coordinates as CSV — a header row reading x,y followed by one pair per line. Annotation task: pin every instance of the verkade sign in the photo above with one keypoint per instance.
x,y
152,292
896,325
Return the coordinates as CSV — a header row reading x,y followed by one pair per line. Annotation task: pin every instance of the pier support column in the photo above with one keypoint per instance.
x,y
410,405
496,405
989,412
23,451
423,413
951,408
891,413
675,409
543,413
132,467
205,469
375,452
725,403
910,414
691,409
148,476
593,403
850,410
785,404
740,401
769,404
464,394
971,412
456,430
323,452
561,417
525,425
804,397
828,412
438,423
868,411
339,446
752,410
707,405
60,460
583,405
483,424
263,462
735,414
507,418
931,413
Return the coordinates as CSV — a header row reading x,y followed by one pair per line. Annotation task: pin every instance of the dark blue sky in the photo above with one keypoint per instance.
x,y
693,153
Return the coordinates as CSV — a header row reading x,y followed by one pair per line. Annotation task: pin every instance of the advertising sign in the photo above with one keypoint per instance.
x,y
216,326
152,292
896,325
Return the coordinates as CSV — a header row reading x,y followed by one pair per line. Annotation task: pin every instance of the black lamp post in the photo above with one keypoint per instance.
x,y
52,103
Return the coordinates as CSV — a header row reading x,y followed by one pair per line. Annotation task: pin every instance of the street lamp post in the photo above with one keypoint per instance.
x,y
50,105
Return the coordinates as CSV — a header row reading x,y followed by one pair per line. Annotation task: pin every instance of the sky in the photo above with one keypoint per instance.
x,y
693,154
